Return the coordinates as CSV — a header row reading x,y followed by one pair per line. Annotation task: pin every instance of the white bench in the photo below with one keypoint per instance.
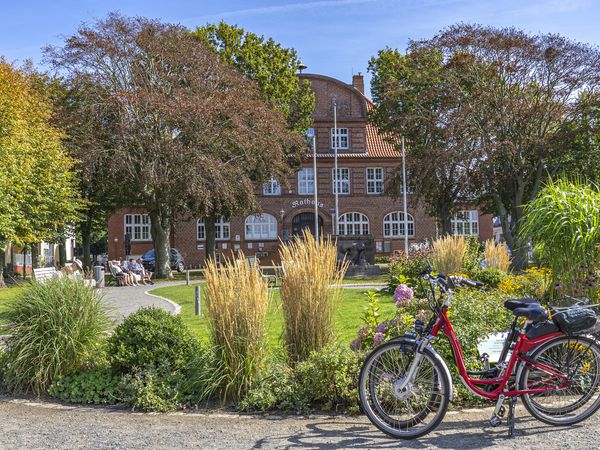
x,y
45,273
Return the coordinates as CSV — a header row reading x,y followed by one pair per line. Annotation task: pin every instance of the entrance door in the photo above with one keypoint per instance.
x,y
306,220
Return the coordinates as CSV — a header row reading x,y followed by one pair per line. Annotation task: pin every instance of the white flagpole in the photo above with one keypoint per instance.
x,y
404,197
335,164
314,145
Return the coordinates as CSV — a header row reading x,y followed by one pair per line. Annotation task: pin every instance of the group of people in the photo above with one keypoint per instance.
x,y
131,272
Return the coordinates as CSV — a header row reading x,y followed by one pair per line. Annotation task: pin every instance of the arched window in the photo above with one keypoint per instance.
x,y
263,226
222,229
393,225
353,223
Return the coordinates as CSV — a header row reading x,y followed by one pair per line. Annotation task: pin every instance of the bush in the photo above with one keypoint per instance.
x,y
237,300
533,282
57,328
96,387
489,276
325,380
307,298
382,259
151,390
404,269
151,338
448,254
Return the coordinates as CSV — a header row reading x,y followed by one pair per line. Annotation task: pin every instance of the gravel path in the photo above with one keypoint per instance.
x,y
30,425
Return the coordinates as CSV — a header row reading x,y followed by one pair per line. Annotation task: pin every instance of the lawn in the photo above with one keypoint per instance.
x,y
348,315
6,295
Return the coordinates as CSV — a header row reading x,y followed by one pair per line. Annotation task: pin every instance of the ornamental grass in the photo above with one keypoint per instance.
x,y
448,254
56,328
496,256
237,299
309,293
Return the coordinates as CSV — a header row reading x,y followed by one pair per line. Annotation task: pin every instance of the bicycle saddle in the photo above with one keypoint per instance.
x,y
533,311
514,303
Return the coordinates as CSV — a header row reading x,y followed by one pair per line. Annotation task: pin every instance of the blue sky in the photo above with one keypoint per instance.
x,y
333,37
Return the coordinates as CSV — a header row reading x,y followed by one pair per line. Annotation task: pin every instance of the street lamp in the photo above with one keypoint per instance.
x,y
335,164
310,133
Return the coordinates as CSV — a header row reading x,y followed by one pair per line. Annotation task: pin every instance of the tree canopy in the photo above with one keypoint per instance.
x,y
37,180
193,134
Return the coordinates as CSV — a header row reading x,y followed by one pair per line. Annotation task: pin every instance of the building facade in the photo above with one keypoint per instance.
x,y
365,161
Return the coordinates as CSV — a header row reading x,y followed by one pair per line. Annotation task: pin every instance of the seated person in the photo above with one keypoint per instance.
x,y
146,275
131,267
117,271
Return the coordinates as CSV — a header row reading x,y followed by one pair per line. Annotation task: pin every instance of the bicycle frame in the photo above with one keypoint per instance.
x,y
522,346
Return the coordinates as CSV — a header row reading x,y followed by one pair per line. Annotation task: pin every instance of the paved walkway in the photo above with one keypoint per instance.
x,y
33,425
124,300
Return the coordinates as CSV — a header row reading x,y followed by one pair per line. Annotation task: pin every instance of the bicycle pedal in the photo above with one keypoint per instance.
x,y
495,421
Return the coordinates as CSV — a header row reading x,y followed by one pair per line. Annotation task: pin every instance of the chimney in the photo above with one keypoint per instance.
x,y
358,82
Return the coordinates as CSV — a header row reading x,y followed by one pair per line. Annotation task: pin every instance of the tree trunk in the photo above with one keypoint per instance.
x,y
86,238
445,219
211,235
161,230
35,256
62,253
2,264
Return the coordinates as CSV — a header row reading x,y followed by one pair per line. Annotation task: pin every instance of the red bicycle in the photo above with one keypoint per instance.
x,y
405,386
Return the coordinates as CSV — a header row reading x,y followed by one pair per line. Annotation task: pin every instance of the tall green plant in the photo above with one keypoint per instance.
x,y
56,329
564,222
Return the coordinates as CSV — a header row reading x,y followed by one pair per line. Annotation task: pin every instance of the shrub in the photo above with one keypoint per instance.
x,y
150,390
448,254
96,387
491,277
307,298
496,256
151,338
57,327
473,254
382,259
237,300
404,269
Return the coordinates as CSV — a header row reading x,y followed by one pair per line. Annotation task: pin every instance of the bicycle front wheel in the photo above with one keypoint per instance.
x,y
567,402
414,410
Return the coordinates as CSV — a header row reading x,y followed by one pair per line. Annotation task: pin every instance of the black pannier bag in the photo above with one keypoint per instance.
x,y
574,320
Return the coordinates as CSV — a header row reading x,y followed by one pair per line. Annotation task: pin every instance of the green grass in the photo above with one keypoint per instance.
x,y
348,315
6,296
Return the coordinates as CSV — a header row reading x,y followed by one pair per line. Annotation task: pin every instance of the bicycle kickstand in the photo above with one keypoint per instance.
x,y
511,416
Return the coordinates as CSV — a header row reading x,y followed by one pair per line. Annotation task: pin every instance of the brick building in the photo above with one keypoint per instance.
x,y
365,160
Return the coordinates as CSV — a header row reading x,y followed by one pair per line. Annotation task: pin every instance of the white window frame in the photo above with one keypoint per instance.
x,y
351,222
272,187
393,225
262,227
342,138
465,223
138,227
344,181
222,230
306,181
375,180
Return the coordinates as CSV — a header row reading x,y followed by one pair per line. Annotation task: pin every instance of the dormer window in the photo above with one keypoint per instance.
x,y
342,138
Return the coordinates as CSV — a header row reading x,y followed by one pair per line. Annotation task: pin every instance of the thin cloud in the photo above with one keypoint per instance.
x,y
553,7
282,8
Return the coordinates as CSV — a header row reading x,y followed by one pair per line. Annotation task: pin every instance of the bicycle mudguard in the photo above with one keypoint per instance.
x,y
410,339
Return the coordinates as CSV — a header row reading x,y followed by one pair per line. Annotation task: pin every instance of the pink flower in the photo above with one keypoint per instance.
x,y
378,338
402,295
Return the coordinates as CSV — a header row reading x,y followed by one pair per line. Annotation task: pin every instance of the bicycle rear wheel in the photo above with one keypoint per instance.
x,y
578,358
420,406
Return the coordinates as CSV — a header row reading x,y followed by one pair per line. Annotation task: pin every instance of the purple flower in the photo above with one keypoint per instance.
x,y
382,327
378,339
355,344
362,331
402,295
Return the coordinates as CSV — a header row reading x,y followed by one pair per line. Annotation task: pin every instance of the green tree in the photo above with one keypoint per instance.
x,y
274,69
37,180
193,135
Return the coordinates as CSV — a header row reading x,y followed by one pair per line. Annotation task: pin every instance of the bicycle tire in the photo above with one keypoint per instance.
x,y
375,392
579,357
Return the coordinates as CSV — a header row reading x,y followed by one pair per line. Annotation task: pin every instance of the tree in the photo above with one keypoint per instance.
x,y
515,92
193,134
89,138
416,98
274,69
37,181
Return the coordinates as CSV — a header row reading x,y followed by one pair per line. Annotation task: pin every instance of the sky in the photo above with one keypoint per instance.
x,y
332,37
